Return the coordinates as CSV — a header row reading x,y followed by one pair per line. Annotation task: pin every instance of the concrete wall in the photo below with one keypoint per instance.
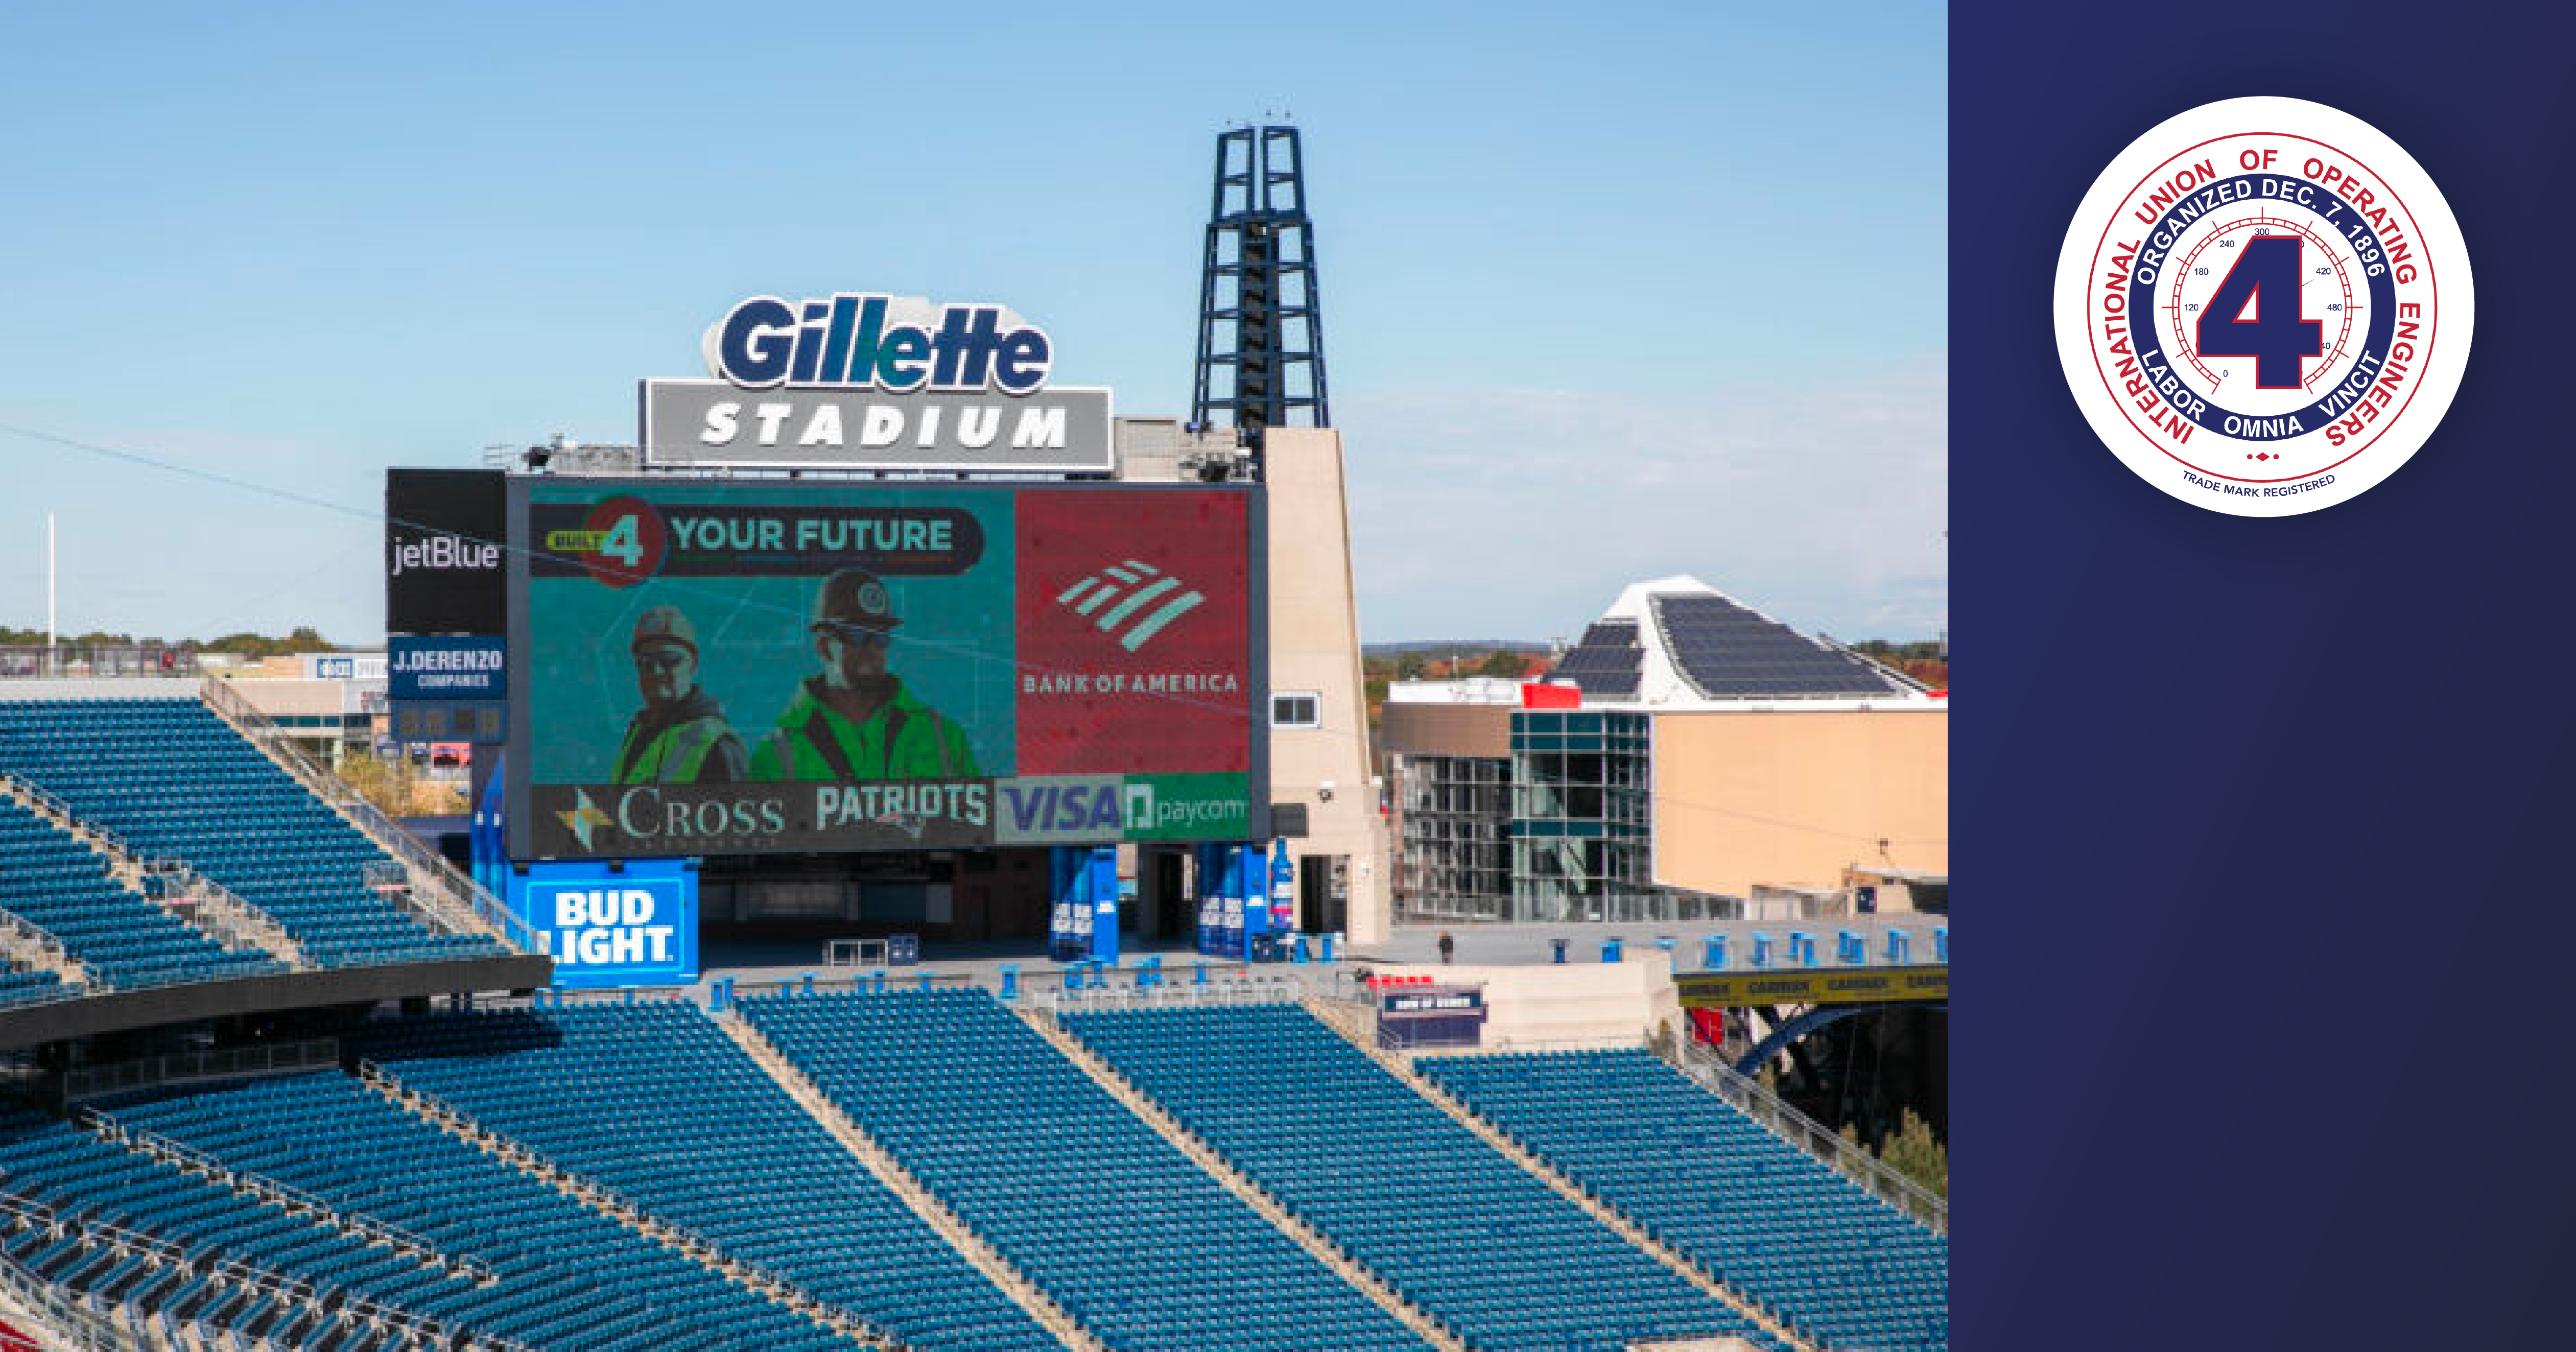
x,y
1315,646
1590,1003
1796,797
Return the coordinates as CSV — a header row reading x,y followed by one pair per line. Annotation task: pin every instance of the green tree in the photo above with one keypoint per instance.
x,y
1410,667
1505,664
1914,1152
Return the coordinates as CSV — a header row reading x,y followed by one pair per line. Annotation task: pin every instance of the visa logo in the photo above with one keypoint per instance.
x,y
1063,807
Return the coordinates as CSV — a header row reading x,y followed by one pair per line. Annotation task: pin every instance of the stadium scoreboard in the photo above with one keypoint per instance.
x,y
717,666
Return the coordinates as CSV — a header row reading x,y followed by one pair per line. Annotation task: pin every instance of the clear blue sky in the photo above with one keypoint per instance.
x,y
1609,291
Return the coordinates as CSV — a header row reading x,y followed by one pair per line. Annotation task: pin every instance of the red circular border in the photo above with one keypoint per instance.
x,y
2431,275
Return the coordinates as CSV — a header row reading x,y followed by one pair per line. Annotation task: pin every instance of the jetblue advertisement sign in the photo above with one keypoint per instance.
x,y
447,668
443,533
635,926
870,380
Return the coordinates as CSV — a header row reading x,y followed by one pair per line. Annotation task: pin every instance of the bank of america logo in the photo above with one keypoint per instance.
x,y
1123,592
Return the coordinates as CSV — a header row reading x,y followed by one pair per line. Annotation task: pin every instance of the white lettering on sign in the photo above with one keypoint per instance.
x,y
609,927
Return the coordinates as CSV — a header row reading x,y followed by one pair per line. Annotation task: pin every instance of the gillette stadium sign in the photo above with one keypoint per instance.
x,y
859,380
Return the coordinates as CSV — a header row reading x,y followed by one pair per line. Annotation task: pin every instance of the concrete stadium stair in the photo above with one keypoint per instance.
x,y
1012,1283
1353,1024
240,927
778,1291
1170,1129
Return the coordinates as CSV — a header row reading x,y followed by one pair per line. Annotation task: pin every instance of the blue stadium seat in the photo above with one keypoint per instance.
x,y
654,1101
569,1277
102,1197
171,778
1831,1261
60,886
1488,1249
1115,1224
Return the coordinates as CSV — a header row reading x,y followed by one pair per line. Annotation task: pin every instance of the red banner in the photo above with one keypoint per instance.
x,y
1134,635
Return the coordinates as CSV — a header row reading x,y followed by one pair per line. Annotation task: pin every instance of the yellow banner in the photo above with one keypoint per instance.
x,y
1812,986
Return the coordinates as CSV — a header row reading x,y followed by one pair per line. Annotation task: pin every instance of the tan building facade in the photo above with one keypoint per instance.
x,y
1323,765
1689,759
1799,796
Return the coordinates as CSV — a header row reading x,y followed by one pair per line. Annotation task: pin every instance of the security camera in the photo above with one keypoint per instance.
x,y
1324,792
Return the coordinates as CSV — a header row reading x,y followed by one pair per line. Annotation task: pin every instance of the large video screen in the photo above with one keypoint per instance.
x,y
746,666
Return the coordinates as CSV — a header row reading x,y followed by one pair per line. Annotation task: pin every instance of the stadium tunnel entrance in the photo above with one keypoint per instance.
x,y
980,900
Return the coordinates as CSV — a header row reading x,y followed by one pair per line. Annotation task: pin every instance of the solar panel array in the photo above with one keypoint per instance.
x,y
1605,663
1728,652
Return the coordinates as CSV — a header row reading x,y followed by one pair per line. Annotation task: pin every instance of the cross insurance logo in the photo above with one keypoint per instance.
x,y
2263,306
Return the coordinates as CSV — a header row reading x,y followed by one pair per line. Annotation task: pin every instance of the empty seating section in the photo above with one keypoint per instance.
x,y
1759,1213
655,1102
1492,1252
61,886
94,1189
1071,1187
27,987
172,779
568,1277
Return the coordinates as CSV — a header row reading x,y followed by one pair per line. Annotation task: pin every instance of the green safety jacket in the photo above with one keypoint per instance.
x,y
700,750
903,739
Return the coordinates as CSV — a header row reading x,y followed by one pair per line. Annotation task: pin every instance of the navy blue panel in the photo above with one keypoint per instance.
x,y
2269,992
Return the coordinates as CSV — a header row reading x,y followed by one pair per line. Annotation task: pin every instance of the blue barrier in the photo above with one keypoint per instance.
x,y
1849,948
809,983
1609,950
1761,950
1713,952
1150,971
1201,979
1802,948
1010,981
1941,944
1897,945
1328,947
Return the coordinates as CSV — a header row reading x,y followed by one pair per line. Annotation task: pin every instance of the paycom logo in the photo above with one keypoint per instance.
x,y
1186,807
1132,600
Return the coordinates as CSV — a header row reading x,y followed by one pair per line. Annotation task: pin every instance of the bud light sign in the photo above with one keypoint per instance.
x,y
606,926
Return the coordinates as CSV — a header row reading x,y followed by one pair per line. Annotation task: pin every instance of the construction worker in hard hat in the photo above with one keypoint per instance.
x,y
854,720
680,735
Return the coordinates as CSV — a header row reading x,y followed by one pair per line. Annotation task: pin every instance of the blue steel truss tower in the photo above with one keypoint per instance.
x,y
1257,289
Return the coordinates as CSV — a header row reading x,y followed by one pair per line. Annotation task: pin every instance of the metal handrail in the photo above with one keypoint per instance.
x,y
1170,994
537,1162
193,879
86,1330
459,901
1900,1193
118,1077
266,1281
187,1158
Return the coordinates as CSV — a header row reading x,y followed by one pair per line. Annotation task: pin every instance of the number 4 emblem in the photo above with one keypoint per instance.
x,y
2257,312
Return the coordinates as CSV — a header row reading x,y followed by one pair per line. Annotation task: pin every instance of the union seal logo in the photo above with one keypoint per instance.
x,y
2263,306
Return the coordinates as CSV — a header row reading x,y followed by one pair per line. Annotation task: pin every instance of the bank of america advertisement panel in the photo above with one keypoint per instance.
x,y
720,668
